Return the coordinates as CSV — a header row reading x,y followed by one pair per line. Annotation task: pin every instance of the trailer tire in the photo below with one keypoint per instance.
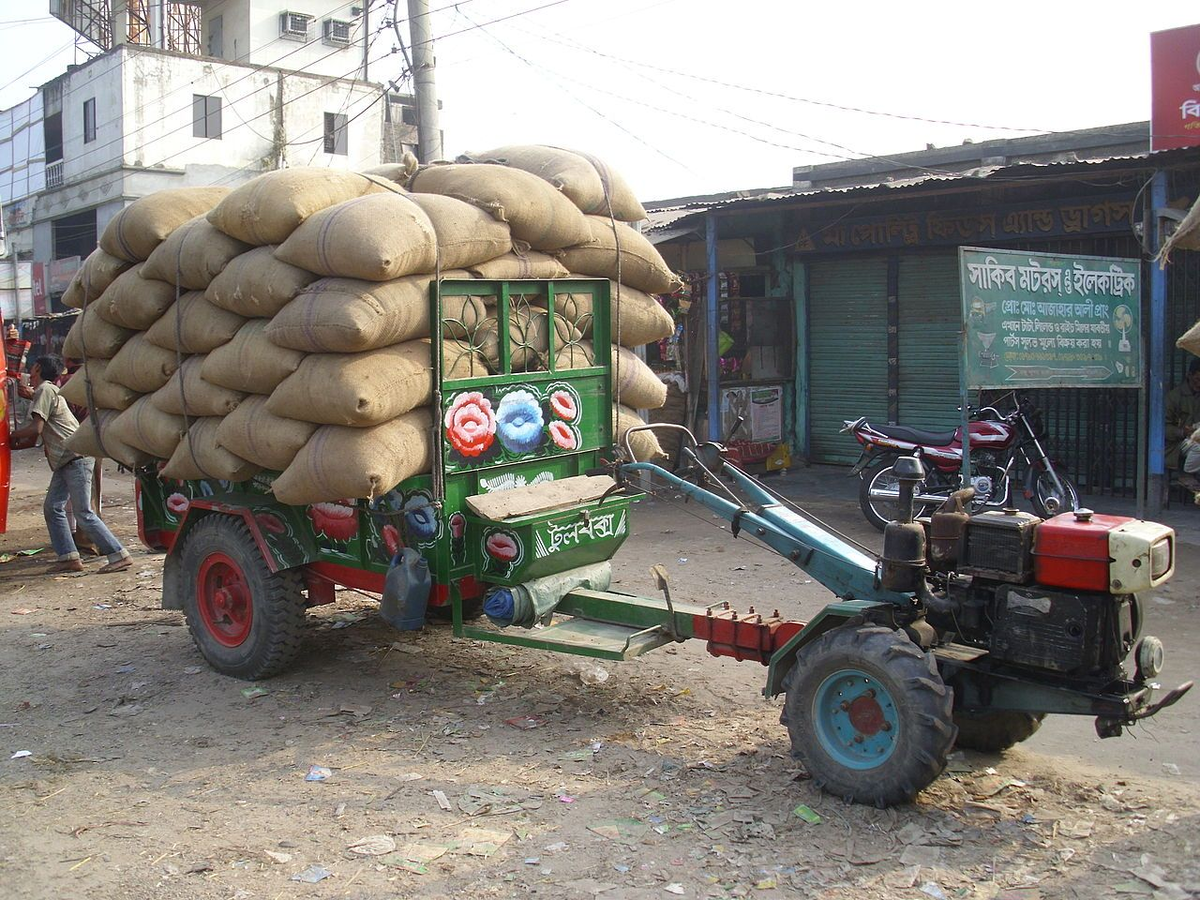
x,y
996,731
246,621
869,715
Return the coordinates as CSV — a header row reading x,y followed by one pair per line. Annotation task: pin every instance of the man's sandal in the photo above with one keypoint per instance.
x,y
119,566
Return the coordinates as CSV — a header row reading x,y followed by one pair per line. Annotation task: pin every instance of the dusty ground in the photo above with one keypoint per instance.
x,y
151,776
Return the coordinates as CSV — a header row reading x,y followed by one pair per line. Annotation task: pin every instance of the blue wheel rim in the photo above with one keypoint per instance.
x,y
855,719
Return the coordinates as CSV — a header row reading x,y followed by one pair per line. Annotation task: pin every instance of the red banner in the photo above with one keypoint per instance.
x,y
1175,88
37,281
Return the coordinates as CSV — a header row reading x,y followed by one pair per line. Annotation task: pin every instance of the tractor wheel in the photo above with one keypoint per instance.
x,y
869,715
246,620
992,732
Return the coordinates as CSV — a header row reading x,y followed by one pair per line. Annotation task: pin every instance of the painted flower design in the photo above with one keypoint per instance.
x,y
178,504
503,549
519,422
391,539
564,436
420,518
564,405
470,423
337,520
458,525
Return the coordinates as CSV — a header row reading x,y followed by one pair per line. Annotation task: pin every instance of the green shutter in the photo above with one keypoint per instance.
x,y
847,351
930,321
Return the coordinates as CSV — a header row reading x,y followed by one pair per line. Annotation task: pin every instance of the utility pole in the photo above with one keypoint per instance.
x,y
429,132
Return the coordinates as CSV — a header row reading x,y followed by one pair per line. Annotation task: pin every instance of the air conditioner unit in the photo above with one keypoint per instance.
x,y
293,26
337,32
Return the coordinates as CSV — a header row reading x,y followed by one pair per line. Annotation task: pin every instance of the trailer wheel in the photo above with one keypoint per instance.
x,y
868,715
246,620
992,732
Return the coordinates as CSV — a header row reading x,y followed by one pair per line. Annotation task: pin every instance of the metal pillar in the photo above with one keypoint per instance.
x,y
712,320
1156,480
429,132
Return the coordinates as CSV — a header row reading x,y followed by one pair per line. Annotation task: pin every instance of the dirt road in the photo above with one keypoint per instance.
x,y
148,775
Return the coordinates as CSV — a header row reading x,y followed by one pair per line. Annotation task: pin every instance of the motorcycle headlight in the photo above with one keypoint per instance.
x,y
1160,558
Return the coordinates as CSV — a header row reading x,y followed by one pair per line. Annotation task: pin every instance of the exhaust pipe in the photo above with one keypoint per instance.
x,y
882,494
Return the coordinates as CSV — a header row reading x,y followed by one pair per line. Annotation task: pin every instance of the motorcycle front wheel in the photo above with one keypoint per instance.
x,y
878,476
1045,495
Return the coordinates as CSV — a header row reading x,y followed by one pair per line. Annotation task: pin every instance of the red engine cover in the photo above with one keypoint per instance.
x,y
1071,551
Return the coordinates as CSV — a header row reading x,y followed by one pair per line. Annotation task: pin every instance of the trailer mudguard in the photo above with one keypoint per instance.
x,y
834,615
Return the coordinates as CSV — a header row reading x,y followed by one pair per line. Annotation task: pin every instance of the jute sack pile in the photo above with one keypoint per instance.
x,y
195,397
134,232
256,284
644,444
193,325
519,264
193,255
250,362
85,442
91,336
641,265
634,383
98,271
1190,340
200,455
147,428
267,209
107,394
141,366
133,301
528,338
585,180
637,316
259,436
535,211
346,315
339,462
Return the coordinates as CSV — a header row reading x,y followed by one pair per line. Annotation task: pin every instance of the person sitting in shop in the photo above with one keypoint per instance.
x,y
1183,419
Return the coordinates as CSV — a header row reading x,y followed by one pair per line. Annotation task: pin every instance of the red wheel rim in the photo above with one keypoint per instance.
x,y
226,607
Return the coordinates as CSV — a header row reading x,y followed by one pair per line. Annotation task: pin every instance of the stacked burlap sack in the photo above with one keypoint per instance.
x,y
285,325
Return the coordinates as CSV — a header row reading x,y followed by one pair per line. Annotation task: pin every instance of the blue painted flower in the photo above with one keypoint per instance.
x,y
420,517
519,422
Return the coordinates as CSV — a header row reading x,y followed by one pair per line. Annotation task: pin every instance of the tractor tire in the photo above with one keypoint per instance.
x,y
245,620
993,732
869,715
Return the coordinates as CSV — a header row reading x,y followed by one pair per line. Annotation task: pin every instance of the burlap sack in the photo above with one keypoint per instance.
x,y
637,318
197,397
99,338
106,394
250,362
98,271
200,455
134,232
348,463
514,265
644,444
362,389
255,434
586,181
141,366
398,172
377,237
132,301
528,338
147,428
634,383
267,209
256,284
641,265
1190,340
193,325
193,255
536,212
345,315
85,443
466,234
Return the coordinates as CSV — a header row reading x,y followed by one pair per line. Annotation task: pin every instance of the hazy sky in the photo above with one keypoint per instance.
x,y
594,75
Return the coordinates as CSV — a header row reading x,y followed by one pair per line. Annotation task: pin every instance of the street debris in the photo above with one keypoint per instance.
x,y
375,845
318,773
312,875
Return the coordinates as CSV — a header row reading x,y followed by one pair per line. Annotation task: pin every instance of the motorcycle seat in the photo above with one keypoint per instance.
x,y
917,435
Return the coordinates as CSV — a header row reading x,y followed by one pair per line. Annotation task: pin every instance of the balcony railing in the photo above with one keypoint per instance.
x,y
54,174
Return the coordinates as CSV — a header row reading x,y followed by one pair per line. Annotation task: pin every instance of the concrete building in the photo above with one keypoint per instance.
x,y
179,94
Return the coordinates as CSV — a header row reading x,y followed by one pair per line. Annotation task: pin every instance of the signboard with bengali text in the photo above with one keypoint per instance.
x,y
1044,320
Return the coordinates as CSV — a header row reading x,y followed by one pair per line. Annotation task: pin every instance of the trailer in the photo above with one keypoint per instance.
x,y
966,629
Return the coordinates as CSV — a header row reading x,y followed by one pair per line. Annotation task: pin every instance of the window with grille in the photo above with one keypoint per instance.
x,y
206,116
335,134
89,120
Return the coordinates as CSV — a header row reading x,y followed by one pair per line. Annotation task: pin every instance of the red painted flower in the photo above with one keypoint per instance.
x,y
270,522
563,436
564,405
337,520
178,504
470,423
502,546
391,539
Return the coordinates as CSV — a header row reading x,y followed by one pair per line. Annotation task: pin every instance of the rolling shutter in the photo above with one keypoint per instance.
x,y
847,353
930,322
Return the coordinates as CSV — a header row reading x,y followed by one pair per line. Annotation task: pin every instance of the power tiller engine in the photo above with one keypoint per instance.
x,y
1053,600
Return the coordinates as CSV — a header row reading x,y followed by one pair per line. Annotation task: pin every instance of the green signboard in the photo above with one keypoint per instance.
x,y
1035,320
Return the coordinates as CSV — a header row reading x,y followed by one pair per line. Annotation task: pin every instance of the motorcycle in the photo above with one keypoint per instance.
x,y
998,442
